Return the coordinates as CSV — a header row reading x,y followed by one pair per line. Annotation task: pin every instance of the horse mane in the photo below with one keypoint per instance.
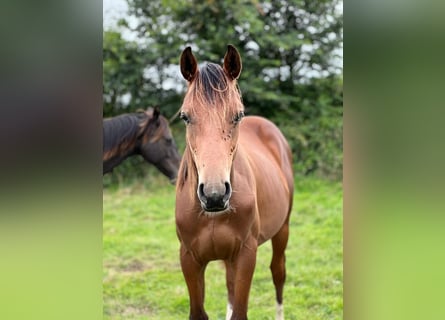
x,y
187,170
121,131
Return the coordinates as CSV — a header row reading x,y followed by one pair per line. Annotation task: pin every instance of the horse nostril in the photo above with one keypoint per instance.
x,y
201,191
228,191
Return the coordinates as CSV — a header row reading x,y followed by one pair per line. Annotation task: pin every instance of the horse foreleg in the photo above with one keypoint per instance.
x,y
244,266
230,278
278,266
194,277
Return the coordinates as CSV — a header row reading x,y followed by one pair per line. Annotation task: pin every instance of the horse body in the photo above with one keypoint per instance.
x,y
270,161
234,190
261,201
145,133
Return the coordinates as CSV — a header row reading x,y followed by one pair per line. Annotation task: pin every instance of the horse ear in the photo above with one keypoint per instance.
x,y
153,114
156,113
189,65
232,62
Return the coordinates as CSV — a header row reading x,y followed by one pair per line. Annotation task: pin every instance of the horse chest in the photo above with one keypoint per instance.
x,y
218,239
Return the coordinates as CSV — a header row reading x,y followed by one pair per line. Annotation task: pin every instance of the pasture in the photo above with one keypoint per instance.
x,y
142,278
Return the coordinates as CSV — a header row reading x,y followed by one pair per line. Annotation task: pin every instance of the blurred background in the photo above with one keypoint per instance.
x,y
292,55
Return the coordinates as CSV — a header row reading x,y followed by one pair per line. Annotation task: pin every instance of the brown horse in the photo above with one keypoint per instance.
x,y
234,189
145,133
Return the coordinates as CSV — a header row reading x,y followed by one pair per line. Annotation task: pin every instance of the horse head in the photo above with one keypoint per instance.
x,y
157,145
212,111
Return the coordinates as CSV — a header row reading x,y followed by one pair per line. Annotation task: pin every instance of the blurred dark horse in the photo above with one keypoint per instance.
x,y
146,133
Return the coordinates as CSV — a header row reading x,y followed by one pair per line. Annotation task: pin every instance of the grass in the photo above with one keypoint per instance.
x,y
142,278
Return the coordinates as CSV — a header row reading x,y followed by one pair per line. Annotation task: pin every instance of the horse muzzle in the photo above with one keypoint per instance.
x,y
214,197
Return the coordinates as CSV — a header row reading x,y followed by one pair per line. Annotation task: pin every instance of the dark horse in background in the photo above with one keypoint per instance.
x,y
146,133
235,187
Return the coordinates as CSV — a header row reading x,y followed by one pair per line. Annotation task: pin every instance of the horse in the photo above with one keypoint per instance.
x,y
146,133
234,189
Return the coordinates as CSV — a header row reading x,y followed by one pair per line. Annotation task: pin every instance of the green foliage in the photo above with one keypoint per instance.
x,y
122,67
289,71
314,130
142,275
135,73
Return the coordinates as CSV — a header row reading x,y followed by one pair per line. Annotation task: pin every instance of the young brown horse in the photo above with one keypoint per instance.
x,y
145,133
234,189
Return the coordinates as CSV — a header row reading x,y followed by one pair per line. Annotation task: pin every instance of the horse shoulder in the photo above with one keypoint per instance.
x,y
268,143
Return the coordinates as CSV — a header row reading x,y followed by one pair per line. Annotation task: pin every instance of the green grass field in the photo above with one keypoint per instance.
x,y
142,277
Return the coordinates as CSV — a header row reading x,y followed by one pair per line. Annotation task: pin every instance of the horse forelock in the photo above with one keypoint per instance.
x,y
213,89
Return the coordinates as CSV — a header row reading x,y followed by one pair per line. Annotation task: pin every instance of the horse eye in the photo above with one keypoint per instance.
x,y
184,117
237,118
